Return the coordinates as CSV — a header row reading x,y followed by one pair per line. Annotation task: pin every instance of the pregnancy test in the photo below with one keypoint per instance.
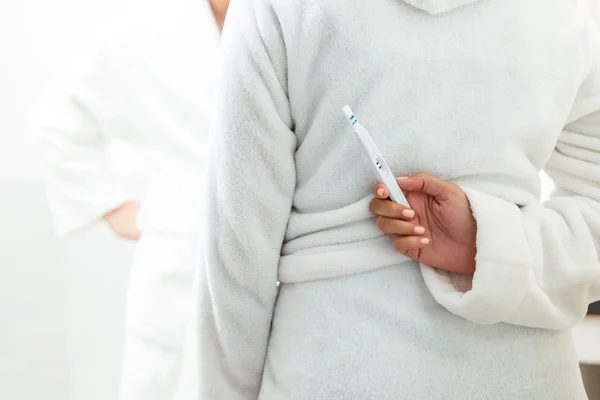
x,y
376,159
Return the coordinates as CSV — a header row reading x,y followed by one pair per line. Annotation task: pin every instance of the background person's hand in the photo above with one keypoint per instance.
x,y
438,230
122,220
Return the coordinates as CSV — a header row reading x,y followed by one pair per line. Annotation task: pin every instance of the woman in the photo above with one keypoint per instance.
x,y
479,94
150,86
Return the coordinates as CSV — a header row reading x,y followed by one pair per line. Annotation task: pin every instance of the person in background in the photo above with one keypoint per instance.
x,y
468,294
148,85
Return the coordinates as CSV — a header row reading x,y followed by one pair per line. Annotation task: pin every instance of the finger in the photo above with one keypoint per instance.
x,y
429,184
387,208
134,236
381,191
406,244
393,226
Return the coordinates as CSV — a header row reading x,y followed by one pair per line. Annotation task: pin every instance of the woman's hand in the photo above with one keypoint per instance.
x,y
122,220
438,230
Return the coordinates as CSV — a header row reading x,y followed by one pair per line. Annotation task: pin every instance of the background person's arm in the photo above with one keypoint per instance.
x,y
68,131
250,189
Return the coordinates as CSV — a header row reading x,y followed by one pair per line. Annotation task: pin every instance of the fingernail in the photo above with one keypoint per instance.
x,y
401,177
424,241
380,192
419,230
408,213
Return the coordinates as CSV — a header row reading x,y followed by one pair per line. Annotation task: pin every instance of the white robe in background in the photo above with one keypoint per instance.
x,y
148,85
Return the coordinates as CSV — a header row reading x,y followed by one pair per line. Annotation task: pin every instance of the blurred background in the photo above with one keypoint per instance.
x,y
62,300
61,308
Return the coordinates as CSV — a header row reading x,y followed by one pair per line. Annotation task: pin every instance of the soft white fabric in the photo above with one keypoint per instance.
x,y
148,85
380,335
158,324
485,95
438,6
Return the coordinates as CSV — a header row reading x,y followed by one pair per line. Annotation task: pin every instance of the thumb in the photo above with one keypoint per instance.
x,y
426,183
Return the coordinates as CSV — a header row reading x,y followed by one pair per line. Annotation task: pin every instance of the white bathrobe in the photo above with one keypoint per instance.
x,y
149,84
483,93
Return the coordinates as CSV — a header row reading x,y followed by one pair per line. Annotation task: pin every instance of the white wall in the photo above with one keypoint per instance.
x,y
61,302
37,37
